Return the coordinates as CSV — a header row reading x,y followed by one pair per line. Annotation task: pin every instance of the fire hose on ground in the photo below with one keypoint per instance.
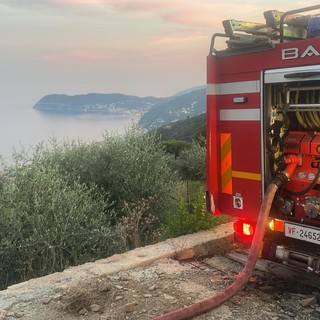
x,y
243,277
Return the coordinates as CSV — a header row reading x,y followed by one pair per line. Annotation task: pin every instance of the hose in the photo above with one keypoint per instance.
x,y
243,277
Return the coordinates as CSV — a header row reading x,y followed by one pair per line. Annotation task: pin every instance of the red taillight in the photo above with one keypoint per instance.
x,y
244,228
247,229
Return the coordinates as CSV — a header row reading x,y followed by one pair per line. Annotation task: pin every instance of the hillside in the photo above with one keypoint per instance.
x,y
178,107
154,111
114,103
188,130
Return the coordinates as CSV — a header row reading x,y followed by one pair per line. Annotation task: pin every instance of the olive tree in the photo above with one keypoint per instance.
x,y
130,169
47,224
191,163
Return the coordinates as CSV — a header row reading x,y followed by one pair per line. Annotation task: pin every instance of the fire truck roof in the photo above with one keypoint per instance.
x,y
278,27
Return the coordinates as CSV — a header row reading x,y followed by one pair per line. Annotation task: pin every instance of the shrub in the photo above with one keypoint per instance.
x,y
133,229
138,169
71,202
175,147
191,217
126,169
191,163
48,224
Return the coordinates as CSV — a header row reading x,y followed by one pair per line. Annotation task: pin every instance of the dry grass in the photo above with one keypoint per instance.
x,y
79,297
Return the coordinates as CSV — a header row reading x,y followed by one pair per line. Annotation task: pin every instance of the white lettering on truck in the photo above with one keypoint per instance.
x,y
294,53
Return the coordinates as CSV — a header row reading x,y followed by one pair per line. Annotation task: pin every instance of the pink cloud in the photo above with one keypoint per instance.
x,y
178,38
201,13
186,12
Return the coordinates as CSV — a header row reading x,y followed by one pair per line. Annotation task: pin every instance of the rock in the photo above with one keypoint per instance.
x,y
95,308
308,301
57,297
130,307
46,301
268,289
168,297
152,288
83,312
17,315
299,296
117,298
3,315
290,314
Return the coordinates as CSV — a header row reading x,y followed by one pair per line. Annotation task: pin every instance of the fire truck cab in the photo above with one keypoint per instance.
x,y
263,105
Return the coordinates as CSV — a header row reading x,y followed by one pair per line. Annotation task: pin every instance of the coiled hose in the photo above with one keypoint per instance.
x,y
243,277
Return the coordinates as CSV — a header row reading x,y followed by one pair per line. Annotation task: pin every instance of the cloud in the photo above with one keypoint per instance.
x,y
202,13
45,3
77,56
61,6
190,13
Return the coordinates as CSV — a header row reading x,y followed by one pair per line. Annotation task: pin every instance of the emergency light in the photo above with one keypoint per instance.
x,y
313,29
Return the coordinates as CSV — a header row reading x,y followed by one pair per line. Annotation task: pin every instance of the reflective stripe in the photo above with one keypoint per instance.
x,y
246,175
240,115
279,75
233,87
226,162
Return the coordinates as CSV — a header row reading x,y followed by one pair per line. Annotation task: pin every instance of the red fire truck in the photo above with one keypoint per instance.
x,y
263,105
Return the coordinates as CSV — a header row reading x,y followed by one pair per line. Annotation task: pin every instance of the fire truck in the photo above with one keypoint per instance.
x,y
263,107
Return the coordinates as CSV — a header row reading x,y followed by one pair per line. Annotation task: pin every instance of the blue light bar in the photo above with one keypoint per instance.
x,y
313,27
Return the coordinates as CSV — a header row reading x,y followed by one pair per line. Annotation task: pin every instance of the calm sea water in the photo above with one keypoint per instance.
x,y
25,126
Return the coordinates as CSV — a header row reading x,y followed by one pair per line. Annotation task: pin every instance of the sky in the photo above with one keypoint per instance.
x,y
139,47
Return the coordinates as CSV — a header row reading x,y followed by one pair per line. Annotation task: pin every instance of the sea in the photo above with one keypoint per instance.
x,y
22,128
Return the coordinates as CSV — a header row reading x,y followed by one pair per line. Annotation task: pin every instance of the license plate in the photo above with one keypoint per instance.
x,y
303,233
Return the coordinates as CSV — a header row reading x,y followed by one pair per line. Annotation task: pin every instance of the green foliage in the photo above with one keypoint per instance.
x,y
191,163
138,169
48,224
175,147
71,202
190,217
128,168
187,130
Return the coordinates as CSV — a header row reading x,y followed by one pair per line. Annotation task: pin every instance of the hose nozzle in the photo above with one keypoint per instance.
x,y
291,161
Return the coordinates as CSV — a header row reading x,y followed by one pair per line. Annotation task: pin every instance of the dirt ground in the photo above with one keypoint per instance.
x,y
153,280
166,285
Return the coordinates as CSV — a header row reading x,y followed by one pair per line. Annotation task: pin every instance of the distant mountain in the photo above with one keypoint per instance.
x,y
177,107
155,112
114,103
180,93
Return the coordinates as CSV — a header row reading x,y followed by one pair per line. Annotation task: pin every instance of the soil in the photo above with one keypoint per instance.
x,y
167,285
153,280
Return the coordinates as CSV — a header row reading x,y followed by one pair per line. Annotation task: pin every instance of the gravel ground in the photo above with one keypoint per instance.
x,y
153,280
166,285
